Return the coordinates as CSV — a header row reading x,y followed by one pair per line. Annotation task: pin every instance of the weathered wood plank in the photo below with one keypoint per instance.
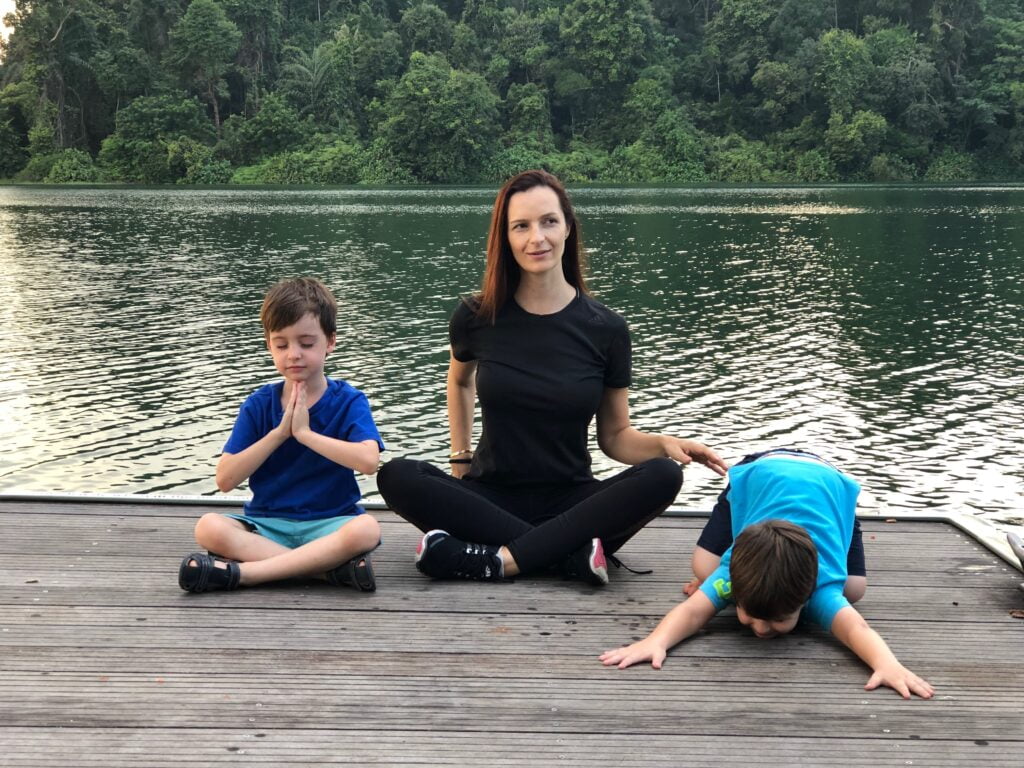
x,y
527,704
42,748
104,660
956,604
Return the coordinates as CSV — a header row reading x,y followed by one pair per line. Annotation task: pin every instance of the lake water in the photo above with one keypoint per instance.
x,y
881,326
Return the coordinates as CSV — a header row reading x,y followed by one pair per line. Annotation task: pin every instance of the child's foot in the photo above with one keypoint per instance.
x,y
587,564
200,572
691,587
441,556
356,573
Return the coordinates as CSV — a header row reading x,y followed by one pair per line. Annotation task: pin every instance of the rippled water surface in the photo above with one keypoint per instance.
x,y
881,326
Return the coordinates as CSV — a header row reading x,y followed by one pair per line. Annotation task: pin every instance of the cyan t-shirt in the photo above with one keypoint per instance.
x,y
296,482
805,492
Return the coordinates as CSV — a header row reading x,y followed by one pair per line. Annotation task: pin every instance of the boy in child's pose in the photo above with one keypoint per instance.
x,y
298,441
792,517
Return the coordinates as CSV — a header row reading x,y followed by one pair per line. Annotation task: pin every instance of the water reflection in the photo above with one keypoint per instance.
x,y
879,325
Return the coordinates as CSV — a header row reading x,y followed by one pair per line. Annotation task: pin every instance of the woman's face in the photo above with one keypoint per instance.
x,y
537,230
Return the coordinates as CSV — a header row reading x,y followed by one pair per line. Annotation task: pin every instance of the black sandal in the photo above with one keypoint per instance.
x,y
199,573
356,573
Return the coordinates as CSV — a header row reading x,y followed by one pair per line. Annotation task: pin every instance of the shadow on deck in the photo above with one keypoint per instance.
x,y
105,661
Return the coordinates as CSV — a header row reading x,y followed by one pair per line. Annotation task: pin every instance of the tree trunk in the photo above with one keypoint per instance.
x,y
212,95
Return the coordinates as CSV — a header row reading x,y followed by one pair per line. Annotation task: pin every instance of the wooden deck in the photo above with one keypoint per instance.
x,y
105,661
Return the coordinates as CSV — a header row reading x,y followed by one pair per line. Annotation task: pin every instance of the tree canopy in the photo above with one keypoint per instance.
x,y
452,91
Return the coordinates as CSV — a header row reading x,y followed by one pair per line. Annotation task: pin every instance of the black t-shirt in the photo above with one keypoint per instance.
x,y
540,380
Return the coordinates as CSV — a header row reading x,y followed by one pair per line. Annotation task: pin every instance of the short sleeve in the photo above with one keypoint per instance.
x,y
718,587
246,430
458,332
359,423
824,604
618,373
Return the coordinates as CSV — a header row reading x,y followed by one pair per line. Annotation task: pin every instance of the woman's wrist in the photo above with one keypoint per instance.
x,y
463,456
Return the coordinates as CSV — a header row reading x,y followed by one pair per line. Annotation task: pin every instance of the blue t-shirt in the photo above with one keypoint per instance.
x,y
295,482
807,493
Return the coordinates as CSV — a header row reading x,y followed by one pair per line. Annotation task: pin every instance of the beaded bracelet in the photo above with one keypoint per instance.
x,y
454,454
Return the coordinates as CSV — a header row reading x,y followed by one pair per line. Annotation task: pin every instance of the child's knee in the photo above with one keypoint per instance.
x,y
363,532
210,530
703,563
855,588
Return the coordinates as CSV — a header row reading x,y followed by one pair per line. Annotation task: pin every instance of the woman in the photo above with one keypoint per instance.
x,y
544,358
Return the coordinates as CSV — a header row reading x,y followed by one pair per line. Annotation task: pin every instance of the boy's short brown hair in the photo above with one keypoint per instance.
x,y
288,301
774,569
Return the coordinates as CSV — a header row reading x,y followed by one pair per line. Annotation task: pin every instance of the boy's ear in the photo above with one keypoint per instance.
x,y
332,342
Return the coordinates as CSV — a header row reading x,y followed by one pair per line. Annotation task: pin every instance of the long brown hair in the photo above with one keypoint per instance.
x,y
501,276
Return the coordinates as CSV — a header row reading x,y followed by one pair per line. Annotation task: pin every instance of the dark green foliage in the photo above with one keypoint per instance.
x,y
442,124
72,165
275,128
426,28
512,160
580,164
735,159
529,117
333,163
203,47
192,162
951,165
401,91
137,151
12,154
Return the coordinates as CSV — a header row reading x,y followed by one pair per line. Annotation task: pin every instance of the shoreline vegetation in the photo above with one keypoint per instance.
x,y
380,92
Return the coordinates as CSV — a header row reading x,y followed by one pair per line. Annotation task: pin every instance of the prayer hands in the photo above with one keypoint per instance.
x,y
296,414
300,411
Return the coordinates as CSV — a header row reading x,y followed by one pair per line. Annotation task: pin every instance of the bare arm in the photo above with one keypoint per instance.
x,y
461,393
622,442
853,632
234,468
679,623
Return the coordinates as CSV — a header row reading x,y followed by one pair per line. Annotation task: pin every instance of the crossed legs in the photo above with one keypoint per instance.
x,y
534,528
262,560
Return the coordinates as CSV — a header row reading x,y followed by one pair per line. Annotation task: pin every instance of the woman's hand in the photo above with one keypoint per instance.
x,y
685,451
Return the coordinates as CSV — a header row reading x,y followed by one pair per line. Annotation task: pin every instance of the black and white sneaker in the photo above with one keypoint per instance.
x,y
588,564
441,556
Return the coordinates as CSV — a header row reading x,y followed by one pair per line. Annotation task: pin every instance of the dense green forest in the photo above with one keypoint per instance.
x,y
398,91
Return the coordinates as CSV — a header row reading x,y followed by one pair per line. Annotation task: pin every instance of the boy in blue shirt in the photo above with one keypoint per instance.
x,y
790,518
297,441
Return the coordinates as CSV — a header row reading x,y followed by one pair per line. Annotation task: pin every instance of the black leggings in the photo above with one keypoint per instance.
x,y
539,525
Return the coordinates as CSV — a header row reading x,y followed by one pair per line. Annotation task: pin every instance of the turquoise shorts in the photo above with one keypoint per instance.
x,y
292,533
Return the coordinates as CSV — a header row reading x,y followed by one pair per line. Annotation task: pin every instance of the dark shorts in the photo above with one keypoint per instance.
x,y
716,537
